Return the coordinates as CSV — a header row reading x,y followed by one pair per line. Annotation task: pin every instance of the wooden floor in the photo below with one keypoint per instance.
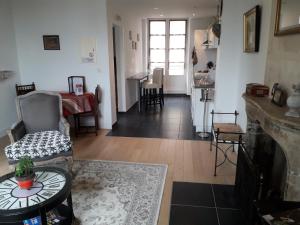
x,y
189,161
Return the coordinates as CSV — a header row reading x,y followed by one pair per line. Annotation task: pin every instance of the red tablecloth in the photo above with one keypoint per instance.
x,y
73,104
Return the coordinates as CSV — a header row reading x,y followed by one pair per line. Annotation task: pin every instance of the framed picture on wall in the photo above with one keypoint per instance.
x,y
252,29
51,42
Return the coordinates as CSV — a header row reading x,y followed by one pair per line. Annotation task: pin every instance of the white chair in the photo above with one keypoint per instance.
x,y
153,89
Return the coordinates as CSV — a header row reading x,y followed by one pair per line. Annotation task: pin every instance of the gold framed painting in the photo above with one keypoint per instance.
x,y
252,29
287,17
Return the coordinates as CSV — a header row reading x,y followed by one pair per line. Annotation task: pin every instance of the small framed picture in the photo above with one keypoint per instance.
x,y
252,29
51,42
77,85
138,37
279,97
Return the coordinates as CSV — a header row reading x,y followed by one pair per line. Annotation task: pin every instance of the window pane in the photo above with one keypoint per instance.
x,y
177,27
176,69
156,65
177,56
157,27
157,55
177,41
157,42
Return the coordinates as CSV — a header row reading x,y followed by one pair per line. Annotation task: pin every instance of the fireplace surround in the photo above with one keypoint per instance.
x,y
269,121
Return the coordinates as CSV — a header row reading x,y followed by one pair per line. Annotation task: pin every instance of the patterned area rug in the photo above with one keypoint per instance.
x,y
117,193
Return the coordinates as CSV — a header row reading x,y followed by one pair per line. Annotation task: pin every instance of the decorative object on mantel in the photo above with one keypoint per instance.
x,y
287,17
252,20
257,90
279,95
5,74
293,102
51,42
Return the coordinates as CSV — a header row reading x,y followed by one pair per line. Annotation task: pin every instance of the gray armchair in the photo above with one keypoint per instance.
x,y
42,132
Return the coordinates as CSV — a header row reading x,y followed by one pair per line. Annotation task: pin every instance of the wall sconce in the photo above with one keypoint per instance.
x,y
5,74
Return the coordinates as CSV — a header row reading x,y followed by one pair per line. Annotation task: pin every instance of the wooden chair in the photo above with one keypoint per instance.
x,y
224,133
24,89
94,113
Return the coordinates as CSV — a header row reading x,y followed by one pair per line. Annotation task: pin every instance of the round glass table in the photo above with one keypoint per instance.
x,y
52,186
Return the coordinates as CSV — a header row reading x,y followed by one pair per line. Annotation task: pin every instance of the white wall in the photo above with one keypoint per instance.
x,y
131,60
8,61
234,67
71,20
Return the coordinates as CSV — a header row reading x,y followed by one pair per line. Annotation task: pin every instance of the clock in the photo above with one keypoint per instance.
x,y
50,188
46,185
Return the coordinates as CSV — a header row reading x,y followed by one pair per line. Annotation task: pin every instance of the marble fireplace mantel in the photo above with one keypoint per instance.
x,y
285,131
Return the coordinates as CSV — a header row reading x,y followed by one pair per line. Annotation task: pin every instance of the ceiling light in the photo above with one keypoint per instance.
x,y
194,14
155,8
161,15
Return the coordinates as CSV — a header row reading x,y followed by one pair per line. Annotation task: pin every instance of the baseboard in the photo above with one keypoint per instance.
x,y
176,95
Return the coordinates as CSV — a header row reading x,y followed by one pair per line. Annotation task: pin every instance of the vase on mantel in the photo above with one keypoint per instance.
x,y
293,102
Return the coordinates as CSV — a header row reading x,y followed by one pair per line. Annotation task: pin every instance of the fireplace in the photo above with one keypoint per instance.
x,y
270,161
273,144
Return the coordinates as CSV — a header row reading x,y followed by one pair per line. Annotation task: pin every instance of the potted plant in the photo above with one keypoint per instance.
x,y
24,173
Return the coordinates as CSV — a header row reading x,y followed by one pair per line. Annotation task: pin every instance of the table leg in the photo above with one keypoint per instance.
x,y
70,204
43,217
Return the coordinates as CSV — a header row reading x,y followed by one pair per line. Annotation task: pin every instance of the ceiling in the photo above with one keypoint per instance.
x,y
168,8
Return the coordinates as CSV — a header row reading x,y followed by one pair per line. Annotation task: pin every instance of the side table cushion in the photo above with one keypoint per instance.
x,y
39,145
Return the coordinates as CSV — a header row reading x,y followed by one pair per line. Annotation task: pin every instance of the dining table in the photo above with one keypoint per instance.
x,y
138,79
76,104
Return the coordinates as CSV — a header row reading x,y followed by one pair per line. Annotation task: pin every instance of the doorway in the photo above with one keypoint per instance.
x,y
115,69
167,49
118,71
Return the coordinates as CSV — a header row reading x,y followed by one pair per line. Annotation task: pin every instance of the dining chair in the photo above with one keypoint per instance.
x,y
42,133
153,89
24,89
95,113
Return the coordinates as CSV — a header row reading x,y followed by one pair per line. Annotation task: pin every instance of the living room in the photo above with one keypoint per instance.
x,y
161,150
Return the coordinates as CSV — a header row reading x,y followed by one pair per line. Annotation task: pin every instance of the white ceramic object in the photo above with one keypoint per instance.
x,y
293,102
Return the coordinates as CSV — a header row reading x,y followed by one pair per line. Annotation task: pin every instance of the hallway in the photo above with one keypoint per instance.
x,y
173,121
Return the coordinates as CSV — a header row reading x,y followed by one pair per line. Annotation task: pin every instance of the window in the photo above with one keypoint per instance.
x,y
167,46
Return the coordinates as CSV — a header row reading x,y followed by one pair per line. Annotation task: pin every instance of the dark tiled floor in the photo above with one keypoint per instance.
x,y
204,204
174,121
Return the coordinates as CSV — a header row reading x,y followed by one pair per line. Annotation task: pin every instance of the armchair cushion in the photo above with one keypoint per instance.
x,y
39,145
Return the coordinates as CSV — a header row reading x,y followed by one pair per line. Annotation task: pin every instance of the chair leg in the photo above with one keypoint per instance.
x,y
96,123
211,139
216,158
75,125
163,95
